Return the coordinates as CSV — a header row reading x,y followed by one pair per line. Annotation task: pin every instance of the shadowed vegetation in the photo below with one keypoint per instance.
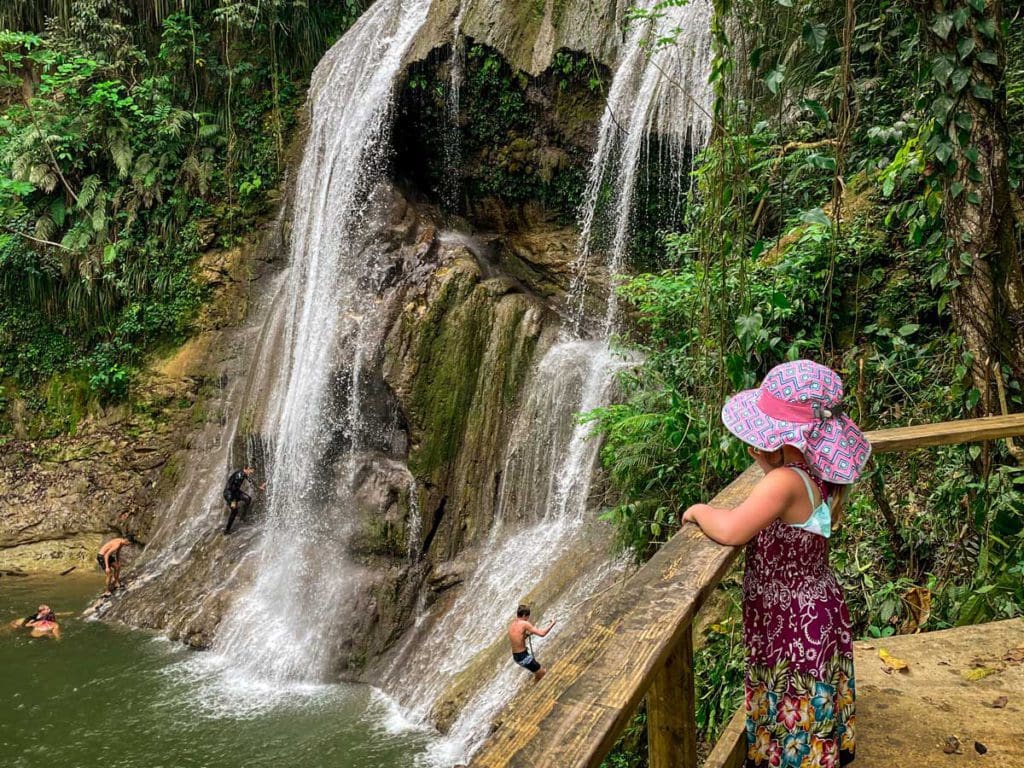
x,y
134,136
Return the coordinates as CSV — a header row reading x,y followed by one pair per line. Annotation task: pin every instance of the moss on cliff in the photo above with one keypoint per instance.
x,y
448,347
457,358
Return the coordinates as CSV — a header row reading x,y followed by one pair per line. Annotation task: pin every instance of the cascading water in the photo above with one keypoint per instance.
x,y
452,106
662,92
538,543
535,546
282,627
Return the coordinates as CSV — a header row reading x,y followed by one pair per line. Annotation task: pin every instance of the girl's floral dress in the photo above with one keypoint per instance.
x,y
799,680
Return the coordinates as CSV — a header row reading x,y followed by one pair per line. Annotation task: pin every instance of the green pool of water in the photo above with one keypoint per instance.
x,y
108,696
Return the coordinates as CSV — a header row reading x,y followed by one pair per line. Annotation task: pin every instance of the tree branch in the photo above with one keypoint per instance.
x,y
38,240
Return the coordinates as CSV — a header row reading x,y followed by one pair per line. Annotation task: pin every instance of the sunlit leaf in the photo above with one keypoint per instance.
x,y
774,78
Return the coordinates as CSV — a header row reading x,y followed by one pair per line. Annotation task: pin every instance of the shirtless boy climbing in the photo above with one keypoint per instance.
x,y
518,631
109,559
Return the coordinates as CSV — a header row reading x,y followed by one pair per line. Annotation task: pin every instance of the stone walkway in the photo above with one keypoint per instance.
x,y
960,700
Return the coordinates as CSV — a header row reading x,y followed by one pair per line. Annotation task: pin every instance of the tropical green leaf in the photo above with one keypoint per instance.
x,y
942,25
775,78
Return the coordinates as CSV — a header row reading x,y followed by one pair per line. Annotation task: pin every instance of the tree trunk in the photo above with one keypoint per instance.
x,y
978,203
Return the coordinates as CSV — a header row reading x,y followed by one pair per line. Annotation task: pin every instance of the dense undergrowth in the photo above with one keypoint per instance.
x,y
133,136
819,225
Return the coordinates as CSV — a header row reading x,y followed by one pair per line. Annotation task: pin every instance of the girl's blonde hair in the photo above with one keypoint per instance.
x,y
838,496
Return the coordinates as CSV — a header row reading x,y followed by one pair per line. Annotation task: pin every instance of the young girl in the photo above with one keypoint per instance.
x,y
799,679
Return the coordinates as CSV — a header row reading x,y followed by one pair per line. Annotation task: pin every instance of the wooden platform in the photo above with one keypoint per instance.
x,y
905,718
950,696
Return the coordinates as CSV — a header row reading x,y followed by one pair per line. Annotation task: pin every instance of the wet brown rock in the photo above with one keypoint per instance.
x,y
446,575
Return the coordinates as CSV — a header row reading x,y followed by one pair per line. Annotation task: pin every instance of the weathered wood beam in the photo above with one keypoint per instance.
x,y
946,433
671,711
730,750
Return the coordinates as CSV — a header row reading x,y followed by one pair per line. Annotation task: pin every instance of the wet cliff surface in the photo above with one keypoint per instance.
x,y
468,302
442,388
528,33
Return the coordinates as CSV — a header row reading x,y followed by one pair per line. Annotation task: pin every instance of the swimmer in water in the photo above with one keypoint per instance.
x,y
43,623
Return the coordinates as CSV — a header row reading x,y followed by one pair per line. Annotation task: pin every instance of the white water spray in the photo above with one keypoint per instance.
x,y
658,90
537,544
285,625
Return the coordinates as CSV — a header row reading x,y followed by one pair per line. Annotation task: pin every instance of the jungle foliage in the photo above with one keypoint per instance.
x,y
134,136
844,211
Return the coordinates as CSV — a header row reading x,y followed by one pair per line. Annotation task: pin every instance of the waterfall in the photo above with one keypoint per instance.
x,y
451,184
662,92
282,627
315,363
538,546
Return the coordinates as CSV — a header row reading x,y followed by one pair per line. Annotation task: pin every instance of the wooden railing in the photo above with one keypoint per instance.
x,y
638,642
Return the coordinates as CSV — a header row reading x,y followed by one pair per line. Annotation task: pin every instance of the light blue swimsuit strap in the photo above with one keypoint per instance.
x,y
820,521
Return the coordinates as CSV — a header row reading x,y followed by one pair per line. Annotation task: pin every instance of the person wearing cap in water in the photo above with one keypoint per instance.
x,y
518,631
43,623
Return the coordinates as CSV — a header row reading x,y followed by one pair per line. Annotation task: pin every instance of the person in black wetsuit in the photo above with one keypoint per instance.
x,y
235,497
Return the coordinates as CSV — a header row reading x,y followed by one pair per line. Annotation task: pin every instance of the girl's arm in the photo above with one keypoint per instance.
x,y
734,527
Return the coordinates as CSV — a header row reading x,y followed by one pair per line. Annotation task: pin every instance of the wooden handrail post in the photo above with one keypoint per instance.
x,y
672,710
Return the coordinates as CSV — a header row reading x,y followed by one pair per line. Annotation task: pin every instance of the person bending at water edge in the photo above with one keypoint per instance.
x,y
518,632
109,559
43,623
236,499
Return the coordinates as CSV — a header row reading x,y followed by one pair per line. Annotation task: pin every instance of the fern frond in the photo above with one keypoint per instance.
x,y
99,214
121,154
87,193
41,176
45,228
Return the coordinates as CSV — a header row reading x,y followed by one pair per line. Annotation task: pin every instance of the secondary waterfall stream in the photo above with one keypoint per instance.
x,y
537,548
659,90
282,627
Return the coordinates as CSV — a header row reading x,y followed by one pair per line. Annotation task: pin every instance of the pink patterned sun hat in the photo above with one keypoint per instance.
x,y
800,404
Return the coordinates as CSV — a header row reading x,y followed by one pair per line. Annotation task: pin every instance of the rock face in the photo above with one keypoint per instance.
x,y
441,393
529,33
60,497
457,359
